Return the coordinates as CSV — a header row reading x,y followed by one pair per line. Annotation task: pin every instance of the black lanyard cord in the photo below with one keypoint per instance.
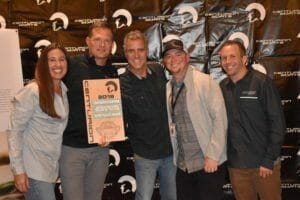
x,y
174,99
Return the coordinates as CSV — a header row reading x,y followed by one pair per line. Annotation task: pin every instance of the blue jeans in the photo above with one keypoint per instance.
x,y
145,172
83,172
40,190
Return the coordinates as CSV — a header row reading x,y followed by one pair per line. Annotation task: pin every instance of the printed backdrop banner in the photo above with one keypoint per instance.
x,y
268,28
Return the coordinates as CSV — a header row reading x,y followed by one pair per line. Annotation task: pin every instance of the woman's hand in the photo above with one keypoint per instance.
x,y
21,182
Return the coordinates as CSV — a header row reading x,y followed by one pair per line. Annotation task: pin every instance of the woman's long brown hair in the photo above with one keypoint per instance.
x,y
45,82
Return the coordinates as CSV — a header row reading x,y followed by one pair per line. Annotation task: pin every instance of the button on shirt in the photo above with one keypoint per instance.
x,y
34,137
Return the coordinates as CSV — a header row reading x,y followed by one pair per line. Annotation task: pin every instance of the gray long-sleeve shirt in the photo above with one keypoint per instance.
x,y
34,138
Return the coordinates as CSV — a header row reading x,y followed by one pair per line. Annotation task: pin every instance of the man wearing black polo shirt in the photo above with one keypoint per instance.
x,y
256,127
83,166
143,97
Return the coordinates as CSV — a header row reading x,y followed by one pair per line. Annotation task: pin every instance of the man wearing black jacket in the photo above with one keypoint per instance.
x,y
256,127
83,166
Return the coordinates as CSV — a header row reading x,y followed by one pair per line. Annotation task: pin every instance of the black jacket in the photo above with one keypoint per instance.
x,y
256,122
145,114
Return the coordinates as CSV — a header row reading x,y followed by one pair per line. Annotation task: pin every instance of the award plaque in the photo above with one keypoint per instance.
x,y
103,110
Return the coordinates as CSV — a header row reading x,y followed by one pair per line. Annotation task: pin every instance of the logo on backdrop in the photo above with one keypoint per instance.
x,y
40,2
120,15
286,12
40,45
253,8
259,67
170,37
287,73
240,36
191,10
128,184
56,25
114,48
114,158
2,22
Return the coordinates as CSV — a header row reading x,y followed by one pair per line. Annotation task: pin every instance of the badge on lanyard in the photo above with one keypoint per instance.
x,y
173,129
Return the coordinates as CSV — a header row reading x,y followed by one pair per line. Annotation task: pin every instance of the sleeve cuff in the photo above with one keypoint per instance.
x,y
267,163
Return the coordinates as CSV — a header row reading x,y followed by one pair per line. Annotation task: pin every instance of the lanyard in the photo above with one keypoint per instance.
x,y
174,99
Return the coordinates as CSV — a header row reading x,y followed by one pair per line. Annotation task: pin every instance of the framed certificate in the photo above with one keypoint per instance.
x,y
103,109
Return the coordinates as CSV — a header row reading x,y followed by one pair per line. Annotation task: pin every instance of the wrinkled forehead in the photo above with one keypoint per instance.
x,y
101,31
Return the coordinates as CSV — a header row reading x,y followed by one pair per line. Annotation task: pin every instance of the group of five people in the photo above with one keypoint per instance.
x,y
184,129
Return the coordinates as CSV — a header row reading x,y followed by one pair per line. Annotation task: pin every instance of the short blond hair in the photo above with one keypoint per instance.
x,y
135,35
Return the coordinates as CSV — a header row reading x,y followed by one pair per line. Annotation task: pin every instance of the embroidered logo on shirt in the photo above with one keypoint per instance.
x,y
251,94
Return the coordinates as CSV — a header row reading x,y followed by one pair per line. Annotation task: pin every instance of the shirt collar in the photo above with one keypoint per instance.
x,y
91,60
245,79
138,76
175,84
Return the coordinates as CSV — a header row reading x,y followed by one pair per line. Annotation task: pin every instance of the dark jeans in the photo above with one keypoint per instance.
x,y
200,185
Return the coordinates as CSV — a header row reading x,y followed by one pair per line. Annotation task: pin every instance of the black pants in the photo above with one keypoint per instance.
x,y
200,185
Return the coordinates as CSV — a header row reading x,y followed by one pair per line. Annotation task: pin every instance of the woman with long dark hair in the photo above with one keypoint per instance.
x,y
38,119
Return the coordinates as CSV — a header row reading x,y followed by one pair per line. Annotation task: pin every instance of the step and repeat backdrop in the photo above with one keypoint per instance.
x,y
270,30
